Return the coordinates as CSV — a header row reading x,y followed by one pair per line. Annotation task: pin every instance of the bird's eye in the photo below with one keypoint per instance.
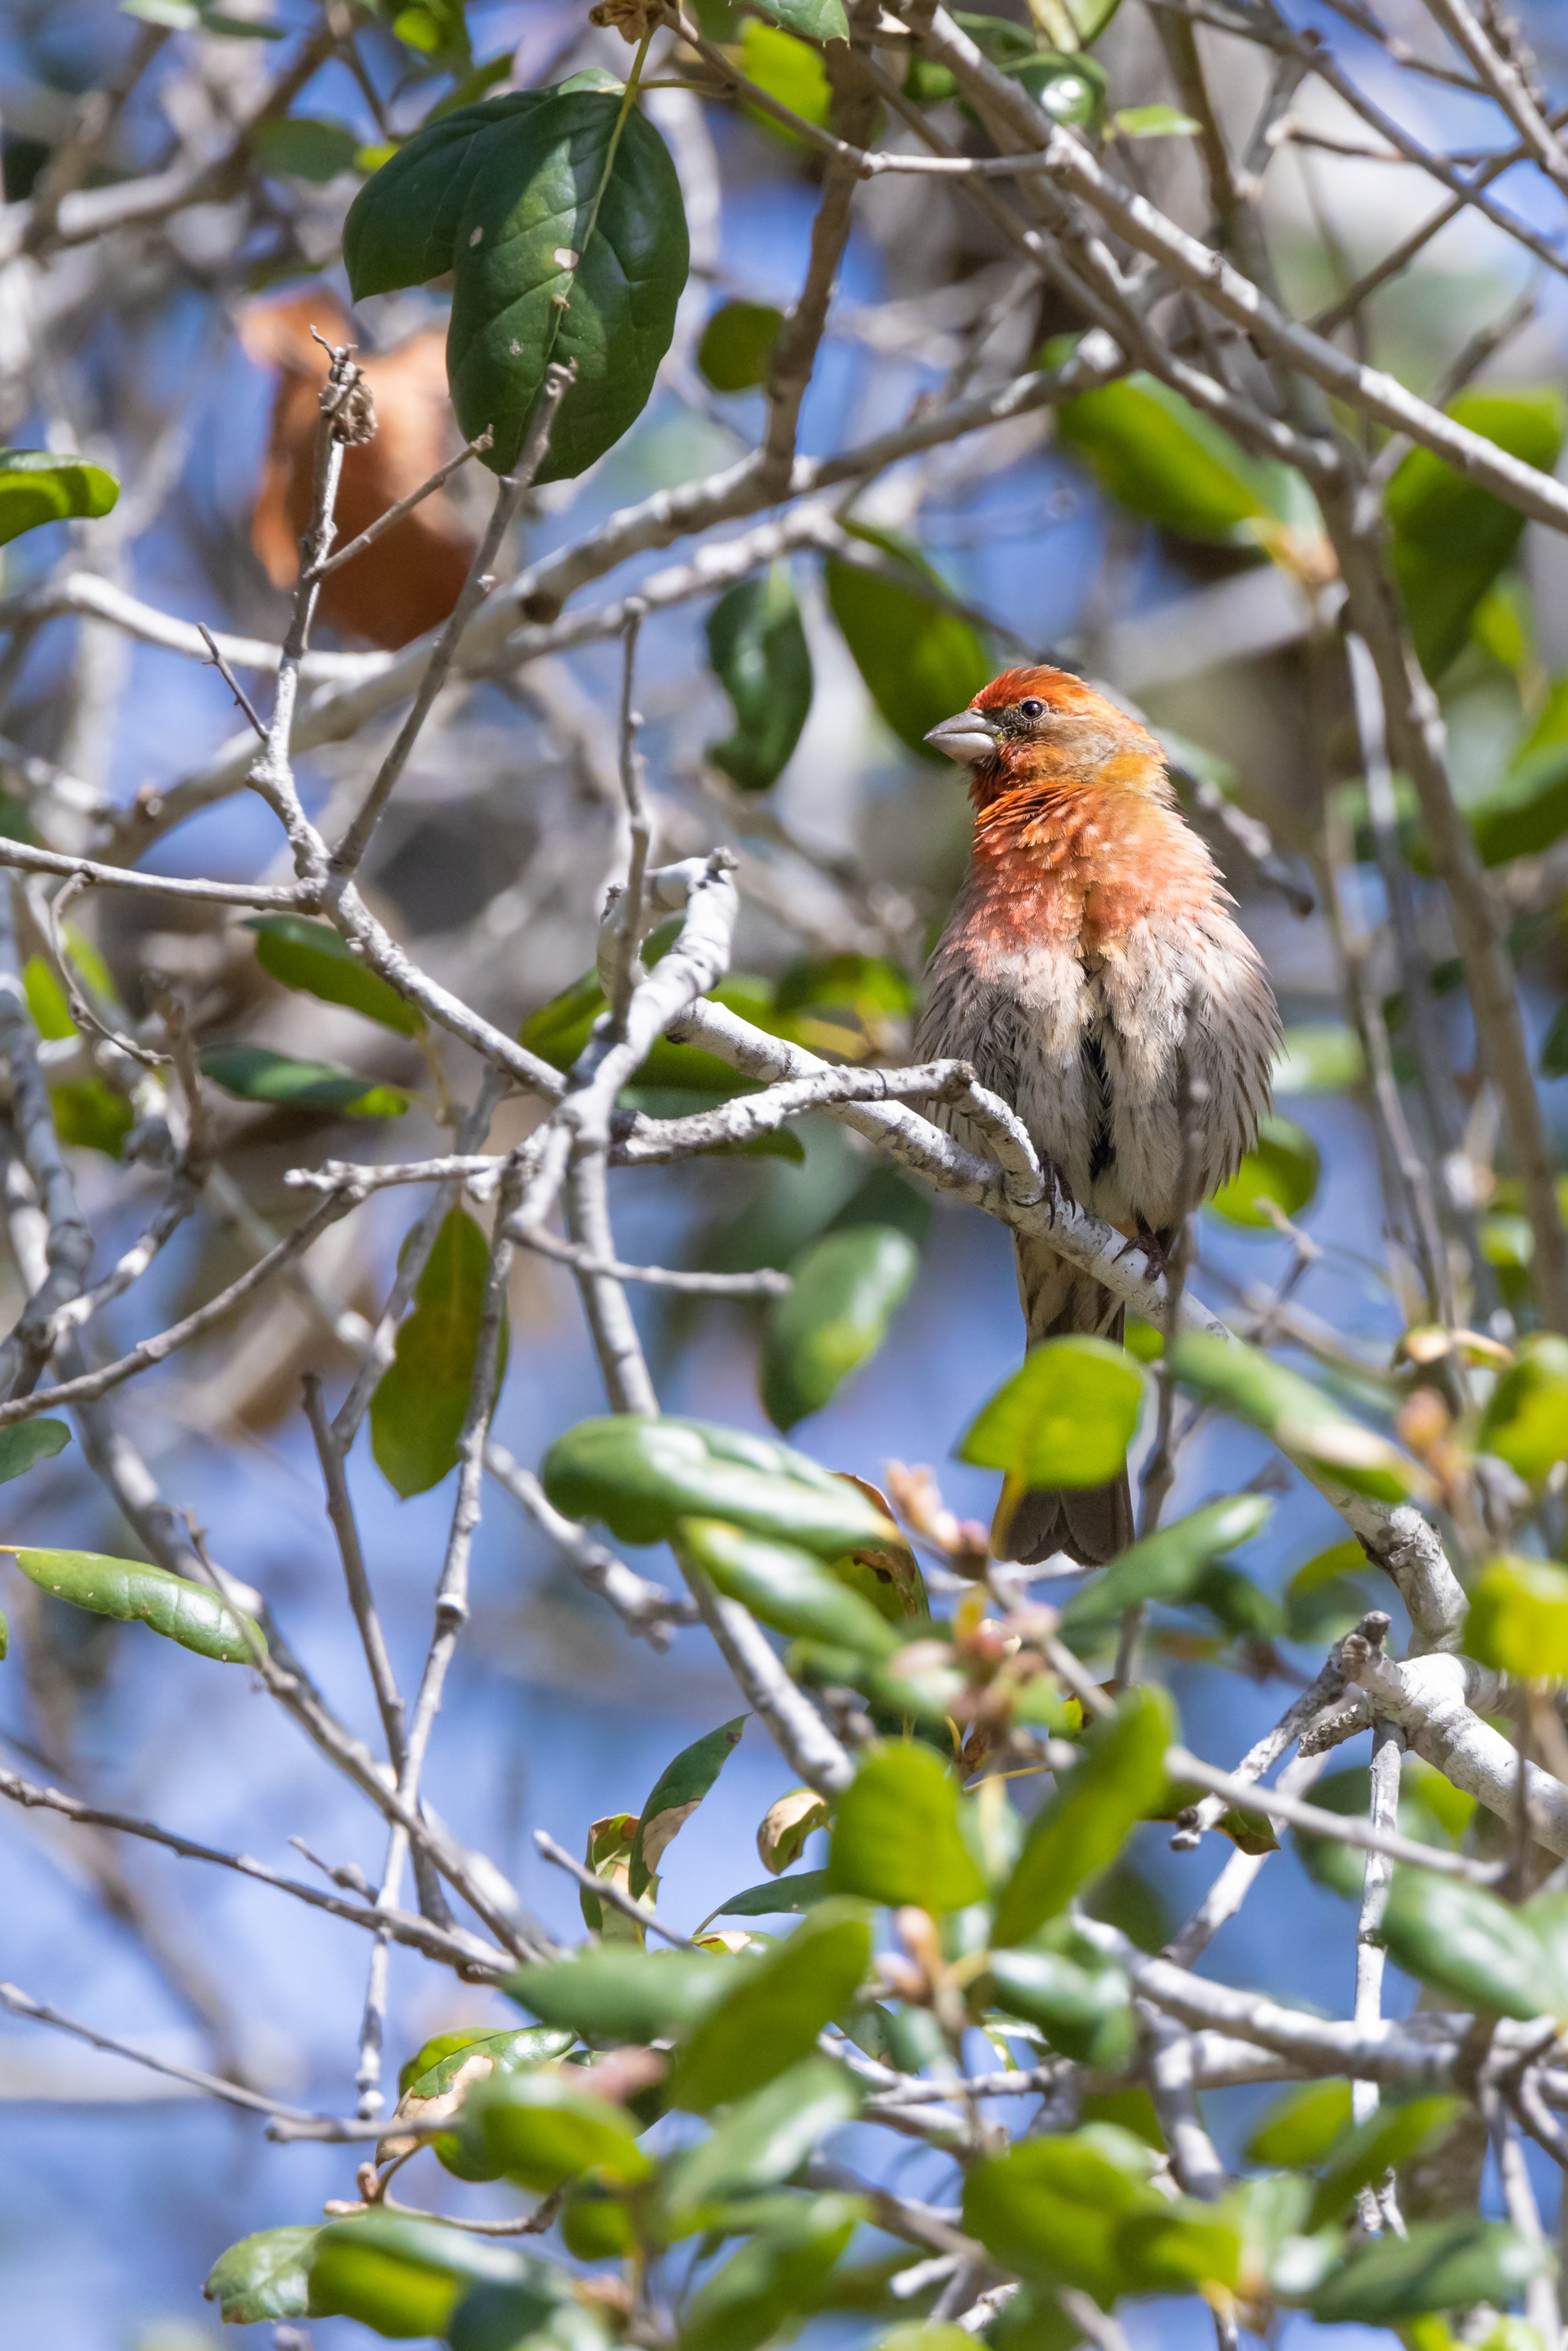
x,y
1031,709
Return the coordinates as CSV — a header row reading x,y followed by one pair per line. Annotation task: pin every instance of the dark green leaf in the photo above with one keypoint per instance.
x,y
920,664
756,649
1163,459
27,1441
1393,2136
1301,2126
254,1073
764,2138
641,1477
848,1287
785,1588
399,2276
438,2077
317,959
1071,89
1166,1565
304,147
814,20
896,1837
542,2129
735,354
264,2276
678,1790
1065,1418
36,487
777,2273
773,2009
1297,1416
134,1593
624,1994
1519,1617
1086,2012
1440,2265
1082,1827
1466,1942
560,213
1282,1168
417,1413
778,1896
508,2317
1449,536
1527,810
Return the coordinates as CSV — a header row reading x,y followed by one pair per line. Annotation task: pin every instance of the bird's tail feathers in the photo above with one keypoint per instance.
x,y
1090,1524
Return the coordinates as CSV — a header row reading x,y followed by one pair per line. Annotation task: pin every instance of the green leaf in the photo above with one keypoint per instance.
x,y
896,1837
1527,810
1163,459
1393,2136
785,1588
1156,122
318,959
538,2315
438,2077
134,1593
36,487
678,1790
779,2272
1081,1828
417,1413
1297,1416
1519,1618
1526,1418
89,1114
735,354
1051,2208
560,213
778,1896
1449,536
1301,2126
789,70
542,2129
1167,1564
919,663
1282,1167
616,1994
27,1441
1065,1418
264,2276
1071,89
401,2276
1441,2266
814,20
756,649
304,147
1466,1942
254,1073
761,2139
848,1287
641,1477
1086,2012
773,2010
1319,1057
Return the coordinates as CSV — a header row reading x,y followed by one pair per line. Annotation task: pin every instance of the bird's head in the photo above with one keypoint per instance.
x,y
1041,725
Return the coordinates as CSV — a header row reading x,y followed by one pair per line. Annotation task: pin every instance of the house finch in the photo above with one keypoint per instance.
x,y
1091,953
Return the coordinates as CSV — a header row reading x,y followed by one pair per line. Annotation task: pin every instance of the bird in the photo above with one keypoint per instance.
x,y
1092,973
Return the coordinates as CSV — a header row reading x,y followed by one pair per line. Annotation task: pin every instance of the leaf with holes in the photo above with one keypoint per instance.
x,y
418,1411
560,215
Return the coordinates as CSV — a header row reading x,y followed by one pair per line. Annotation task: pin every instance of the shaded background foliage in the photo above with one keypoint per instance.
x,y
1135,540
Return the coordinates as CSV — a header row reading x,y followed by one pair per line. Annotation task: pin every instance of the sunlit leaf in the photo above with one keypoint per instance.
x,y
621,1994
848,1287
773,2009
1156,122
814,20
1519,1618
896,1837
560,213
1086,2012
1525,1422
1065,1418
1299,1419
919,662
544,2128
1163,460
1317,1057
1282,1167
439,2077
1166,1565
418,1411
402,2276
764,2138
264,2276
778,2273
737,345
1393,2136
317,959
256,1073
134,1593
785,1588
1467,1942
1081,1828
1440,2265
790,71
788,1826
1301,2126
36,486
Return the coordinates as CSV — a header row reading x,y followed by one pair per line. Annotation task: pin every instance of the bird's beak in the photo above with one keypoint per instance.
x,y
968,737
